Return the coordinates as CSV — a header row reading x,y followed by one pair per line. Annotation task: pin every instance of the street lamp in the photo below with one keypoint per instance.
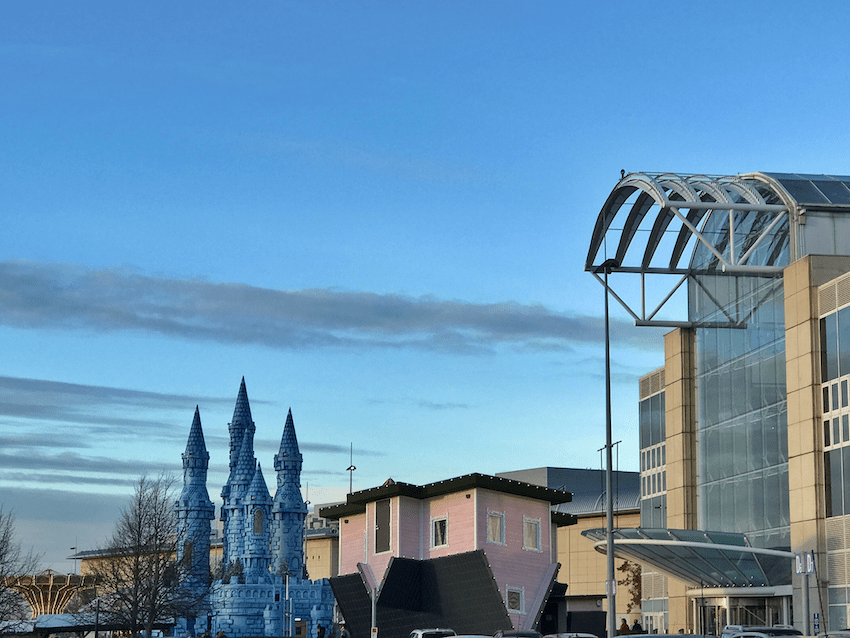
x,y
350,469
610,583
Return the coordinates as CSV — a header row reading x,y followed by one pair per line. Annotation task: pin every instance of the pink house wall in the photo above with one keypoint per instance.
x,y
411,531
357,537
459,512
352,532
466,512
512,565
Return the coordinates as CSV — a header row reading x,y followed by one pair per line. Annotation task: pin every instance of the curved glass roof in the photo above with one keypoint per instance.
x,y
709,559
685,225
646,209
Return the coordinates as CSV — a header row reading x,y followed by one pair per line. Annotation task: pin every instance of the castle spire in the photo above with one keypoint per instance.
x,y
196,462
289,509
289,442
258,491
194,511
242,462
240,422
195,446
247,464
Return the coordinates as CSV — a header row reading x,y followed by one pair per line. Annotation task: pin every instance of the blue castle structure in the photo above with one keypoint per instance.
x,y
263,586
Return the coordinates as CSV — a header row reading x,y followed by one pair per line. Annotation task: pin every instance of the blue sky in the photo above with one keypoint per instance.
x,y
377,212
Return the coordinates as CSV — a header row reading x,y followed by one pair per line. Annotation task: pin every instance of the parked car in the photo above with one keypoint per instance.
x,y
571,635
432,633
748,631
513,633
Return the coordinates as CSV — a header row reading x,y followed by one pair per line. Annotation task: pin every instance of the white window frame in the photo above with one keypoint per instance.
x,y
538,547
434,521
515,590
501,517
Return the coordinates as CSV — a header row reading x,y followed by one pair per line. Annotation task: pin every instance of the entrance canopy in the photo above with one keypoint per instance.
x,y
709,559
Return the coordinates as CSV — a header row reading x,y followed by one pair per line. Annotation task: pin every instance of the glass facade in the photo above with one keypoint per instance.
x,y
835,378
742,442
653,505
653,462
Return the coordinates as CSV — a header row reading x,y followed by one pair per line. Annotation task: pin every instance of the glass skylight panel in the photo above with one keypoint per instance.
x,y
836,191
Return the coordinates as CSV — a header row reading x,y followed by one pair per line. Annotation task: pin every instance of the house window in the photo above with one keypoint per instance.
x,y
515,599
531,533
382,526
496,527
439,532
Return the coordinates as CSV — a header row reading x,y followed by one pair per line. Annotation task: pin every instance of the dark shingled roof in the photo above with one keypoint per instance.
x,y
456,591
356,502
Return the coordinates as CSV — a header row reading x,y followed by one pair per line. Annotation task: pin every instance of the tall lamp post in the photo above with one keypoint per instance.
x,y
610,583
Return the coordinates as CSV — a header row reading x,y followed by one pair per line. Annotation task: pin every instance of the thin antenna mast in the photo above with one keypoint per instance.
x,y
350,470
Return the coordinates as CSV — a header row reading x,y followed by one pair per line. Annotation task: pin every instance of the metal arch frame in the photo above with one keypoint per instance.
x,y
699,195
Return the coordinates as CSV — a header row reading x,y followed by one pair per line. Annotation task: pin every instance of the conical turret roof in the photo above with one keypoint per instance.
x,y
195,445
242,410
239,424
246,464
289,442
258,492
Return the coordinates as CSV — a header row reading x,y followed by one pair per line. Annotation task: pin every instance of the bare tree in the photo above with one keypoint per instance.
x,y
13,563
139,579
632,581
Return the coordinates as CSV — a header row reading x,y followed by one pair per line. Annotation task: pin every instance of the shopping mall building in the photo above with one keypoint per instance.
x,y
745,430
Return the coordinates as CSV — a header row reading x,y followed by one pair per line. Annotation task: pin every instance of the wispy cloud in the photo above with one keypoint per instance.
x,y
95,407
53,433
52,296
78,463
307,446
422,403
73,393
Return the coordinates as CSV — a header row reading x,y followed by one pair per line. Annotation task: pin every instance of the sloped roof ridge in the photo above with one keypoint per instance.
x,y
358,500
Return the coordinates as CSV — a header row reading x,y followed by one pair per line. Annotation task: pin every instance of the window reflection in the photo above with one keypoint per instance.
x,y
742,416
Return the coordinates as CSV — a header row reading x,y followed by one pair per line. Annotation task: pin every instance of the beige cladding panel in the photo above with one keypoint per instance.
x,y
813,286
680,424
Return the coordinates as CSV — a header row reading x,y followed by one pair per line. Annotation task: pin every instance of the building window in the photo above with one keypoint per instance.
x,y
258,521
531,533
835,375
187,553
496,528
439,531
382,526
515,598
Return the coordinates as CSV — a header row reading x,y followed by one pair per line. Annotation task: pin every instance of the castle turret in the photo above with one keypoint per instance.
x,y
241,428
240,480
194,511
257,556
289,509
